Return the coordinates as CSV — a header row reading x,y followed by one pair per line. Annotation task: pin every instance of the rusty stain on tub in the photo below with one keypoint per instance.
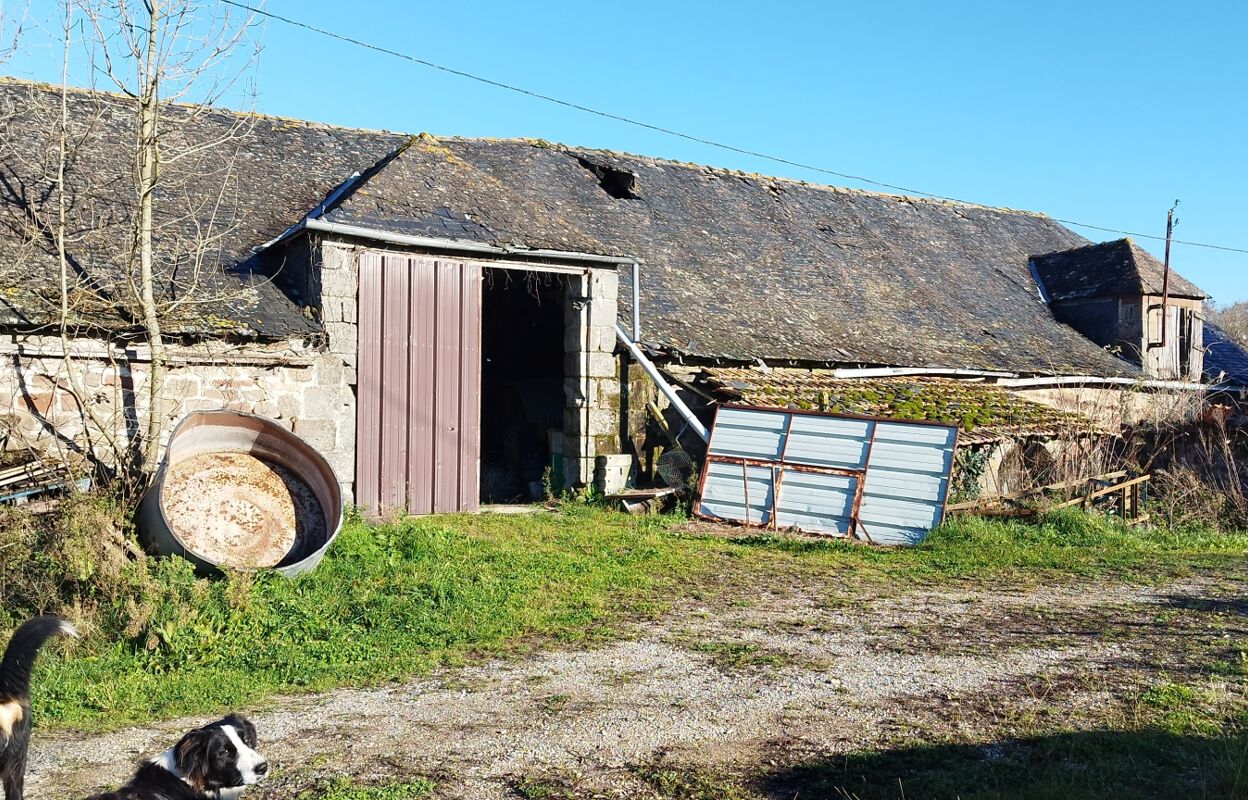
x,y
239,491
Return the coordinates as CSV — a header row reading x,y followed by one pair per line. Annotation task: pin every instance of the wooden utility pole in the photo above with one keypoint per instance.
x,y
1165,277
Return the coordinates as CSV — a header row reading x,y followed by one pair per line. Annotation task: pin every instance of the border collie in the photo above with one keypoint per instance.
x,y
19,658
213,762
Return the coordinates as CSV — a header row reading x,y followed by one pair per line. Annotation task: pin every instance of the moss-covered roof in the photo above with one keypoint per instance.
x,y
983,411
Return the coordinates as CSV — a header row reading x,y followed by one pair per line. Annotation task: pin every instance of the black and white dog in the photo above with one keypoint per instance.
x,y
214,762
19,658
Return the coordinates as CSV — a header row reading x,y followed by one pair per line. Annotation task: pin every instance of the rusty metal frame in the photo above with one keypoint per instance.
x,y
780,466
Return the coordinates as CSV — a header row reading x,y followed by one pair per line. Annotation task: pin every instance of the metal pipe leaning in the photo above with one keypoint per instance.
x,y
664,386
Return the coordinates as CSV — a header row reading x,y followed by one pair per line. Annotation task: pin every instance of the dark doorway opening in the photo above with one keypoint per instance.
x,y
522,396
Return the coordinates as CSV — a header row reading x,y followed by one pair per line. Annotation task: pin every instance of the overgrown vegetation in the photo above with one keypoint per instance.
x,y
1200,474
394,600
387,602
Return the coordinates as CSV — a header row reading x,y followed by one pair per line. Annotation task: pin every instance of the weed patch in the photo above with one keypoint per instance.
x,y
345,789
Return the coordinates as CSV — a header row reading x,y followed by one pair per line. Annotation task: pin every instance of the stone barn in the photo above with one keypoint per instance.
x,y
458,321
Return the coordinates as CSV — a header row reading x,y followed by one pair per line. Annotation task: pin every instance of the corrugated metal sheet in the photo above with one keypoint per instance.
x,y
877,480
418,440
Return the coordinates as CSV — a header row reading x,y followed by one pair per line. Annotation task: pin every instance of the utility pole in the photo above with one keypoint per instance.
x,y
1165,276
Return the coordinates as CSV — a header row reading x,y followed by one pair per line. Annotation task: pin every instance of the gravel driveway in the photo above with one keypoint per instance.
x,y
810,669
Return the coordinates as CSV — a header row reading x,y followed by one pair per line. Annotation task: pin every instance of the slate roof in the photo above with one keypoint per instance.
x,y
984,412
1226,361
741,267
230,198
737,267
1120,267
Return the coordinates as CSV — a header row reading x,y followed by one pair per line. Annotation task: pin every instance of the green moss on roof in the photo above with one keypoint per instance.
x,y
976,407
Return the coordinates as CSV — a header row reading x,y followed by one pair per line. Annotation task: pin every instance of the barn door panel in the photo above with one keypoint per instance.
x,y
418,440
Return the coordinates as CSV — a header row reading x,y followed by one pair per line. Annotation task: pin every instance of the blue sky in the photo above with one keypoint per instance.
x,y
1098,112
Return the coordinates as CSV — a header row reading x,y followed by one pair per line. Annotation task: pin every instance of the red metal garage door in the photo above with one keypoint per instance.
x,y
418,441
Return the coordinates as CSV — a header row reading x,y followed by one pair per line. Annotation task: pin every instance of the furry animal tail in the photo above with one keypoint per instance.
x,y
19,656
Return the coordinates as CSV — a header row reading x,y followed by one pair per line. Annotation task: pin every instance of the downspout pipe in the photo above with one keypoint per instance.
x,y
636,301
661,382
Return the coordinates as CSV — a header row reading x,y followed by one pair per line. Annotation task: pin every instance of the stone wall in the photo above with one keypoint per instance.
x,y
1112,408
591,421
96,400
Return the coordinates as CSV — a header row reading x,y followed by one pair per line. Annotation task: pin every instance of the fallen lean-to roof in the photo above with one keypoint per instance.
x,y
1109,269
984,412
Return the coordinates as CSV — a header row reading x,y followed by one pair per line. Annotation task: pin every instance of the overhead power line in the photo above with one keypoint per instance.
x,y
671,131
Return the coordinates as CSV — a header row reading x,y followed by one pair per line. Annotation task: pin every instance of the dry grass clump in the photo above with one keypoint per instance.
x,y
1200,474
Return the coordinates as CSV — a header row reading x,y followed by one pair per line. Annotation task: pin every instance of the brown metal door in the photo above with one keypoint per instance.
x,y
418,437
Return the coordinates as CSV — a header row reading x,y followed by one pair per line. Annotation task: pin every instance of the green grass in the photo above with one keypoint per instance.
x,y
387,602
1066,543
391,601
344,789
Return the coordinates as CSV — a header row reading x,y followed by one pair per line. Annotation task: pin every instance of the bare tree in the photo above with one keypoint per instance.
x,y
1233,319
12,19
156,52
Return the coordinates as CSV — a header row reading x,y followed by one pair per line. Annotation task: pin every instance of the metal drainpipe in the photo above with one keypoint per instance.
x,y
663,385
636,301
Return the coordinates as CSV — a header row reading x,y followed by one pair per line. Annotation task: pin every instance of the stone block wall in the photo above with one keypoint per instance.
x,y
96,399
1113,408
591,420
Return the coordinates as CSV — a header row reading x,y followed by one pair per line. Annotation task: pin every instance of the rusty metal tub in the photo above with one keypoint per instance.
x,y
239,491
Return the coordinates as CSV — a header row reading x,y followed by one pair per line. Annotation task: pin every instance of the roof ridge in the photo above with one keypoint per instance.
x,y
1089,246
10,80
574,149
537,142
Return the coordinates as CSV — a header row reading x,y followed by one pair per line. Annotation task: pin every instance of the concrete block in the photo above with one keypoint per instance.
x,y
320,433
577,390
575,339
322,403
343,336
578,472
602,339
329,372
613,473
289,405
600,365
575,424
602,312
604,284
603,421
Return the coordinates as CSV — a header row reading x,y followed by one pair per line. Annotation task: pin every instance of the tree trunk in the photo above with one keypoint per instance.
x,y
148,175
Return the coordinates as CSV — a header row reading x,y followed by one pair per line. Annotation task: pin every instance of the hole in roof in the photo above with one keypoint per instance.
x,y
619,183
